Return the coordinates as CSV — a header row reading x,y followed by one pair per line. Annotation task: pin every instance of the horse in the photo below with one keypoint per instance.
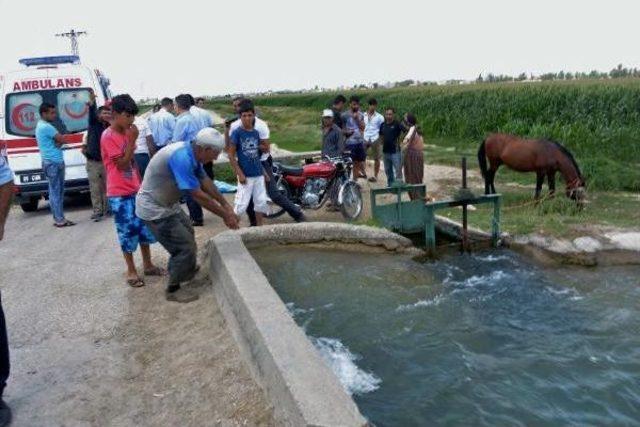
x,y
542,156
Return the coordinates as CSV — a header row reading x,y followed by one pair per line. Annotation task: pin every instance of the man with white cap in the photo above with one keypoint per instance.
x,y
174,171
332,136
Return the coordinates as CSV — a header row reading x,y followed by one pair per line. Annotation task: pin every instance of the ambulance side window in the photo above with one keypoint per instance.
x,y
73,110
22,113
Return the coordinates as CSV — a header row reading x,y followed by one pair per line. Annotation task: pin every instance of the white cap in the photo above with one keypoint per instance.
x,y
327,113
210,138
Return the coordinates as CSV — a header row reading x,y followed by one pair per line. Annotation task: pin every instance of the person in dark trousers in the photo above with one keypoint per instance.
x,y
186,129
337,108
6,193
267,162
98,122
332,137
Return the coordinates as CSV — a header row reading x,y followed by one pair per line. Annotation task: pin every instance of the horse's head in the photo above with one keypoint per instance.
x,y
576,190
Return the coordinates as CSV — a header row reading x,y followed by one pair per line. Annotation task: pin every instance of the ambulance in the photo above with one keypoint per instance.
x,y
65,83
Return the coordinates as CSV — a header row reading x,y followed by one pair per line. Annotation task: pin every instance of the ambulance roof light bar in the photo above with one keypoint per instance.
x,y
50,60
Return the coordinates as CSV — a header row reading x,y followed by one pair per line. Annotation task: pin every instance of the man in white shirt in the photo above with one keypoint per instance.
x,y
162,124
372,122
145,146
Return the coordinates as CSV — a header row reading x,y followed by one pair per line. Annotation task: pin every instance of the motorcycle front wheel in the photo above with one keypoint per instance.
x,y
351,201
276,210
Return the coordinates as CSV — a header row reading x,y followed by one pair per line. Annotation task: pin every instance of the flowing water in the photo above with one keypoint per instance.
x,y
487,339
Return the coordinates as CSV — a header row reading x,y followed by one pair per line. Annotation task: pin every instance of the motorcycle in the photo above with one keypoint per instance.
x,y
314,184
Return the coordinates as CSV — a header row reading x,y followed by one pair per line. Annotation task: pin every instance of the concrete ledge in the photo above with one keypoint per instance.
x,y
610,249
301,387
318,232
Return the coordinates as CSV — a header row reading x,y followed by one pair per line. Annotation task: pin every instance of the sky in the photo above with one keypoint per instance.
x,y
155,49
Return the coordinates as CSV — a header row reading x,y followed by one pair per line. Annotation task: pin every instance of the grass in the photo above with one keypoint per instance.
x,y
557,217
293,129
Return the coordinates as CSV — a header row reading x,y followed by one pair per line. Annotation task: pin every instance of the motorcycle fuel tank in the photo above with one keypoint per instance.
x,y
319,170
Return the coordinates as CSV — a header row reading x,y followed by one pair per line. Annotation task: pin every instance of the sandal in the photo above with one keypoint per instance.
x,y
135,283
66,223
155,271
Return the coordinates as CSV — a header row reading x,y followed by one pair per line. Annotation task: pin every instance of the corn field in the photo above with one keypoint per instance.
x,y
599,121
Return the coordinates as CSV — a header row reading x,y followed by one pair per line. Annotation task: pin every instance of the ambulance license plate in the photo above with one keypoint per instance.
x,y
31,178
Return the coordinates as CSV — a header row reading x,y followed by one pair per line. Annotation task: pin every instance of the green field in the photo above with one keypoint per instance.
x,y
599,121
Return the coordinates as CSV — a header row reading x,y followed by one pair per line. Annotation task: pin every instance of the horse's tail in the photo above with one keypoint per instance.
x,y
482,159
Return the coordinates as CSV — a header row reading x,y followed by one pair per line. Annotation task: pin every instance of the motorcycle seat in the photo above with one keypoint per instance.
x,y
291,170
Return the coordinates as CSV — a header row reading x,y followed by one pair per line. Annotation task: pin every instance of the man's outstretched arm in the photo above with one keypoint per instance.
x,y
207,202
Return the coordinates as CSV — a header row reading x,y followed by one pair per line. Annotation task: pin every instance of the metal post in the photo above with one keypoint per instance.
x,y
465,236
495,222
430,230
399,206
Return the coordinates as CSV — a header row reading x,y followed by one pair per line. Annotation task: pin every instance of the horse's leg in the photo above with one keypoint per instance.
x,y
491,175
493,181
551,178
539,182
487,188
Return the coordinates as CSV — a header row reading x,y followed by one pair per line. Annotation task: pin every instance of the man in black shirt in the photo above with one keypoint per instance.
x,y
390,132
338,106
98,122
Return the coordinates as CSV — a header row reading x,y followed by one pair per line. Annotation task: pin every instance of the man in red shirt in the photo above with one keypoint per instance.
x,y
117,146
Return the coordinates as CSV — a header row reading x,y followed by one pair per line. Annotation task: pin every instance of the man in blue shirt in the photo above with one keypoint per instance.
x,y
186,130
6,189
247,146
173,172
50,144
186,125
204,120
6,192
162,124
202,116
353,128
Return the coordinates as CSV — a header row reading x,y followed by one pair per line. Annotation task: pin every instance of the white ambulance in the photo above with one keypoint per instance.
x,y
65,83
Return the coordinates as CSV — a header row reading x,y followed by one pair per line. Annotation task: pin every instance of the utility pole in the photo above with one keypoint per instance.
x,y
73,36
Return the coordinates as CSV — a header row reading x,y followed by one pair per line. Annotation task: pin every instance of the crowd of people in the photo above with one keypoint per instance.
x,y
141,169
370,134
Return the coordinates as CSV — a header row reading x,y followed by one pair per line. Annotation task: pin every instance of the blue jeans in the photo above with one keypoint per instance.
x,y
142,161
55,176
393,167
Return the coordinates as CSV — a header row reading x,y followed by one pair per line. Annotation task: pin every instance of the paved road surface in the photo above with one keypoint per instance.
x,y
88,350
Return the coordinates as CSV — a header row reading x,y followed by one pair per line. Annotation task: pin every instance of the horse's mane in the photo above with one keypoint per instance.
x,y
567,153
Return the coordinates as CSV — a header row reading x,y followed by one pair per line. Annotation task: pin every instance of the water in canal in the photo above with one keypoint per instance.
x,y
486,339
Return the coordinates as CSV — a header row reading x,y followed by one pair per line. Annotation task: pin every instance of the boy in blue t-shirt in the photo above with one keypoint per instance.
x,y
244,156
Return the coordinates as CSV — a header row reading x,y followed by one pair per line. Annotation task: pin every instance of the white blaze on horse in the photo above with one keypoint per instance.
x,y
544,157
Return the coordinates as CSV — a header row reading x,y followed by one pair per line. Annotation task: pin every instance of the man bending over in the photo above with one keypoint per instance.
x,y
173,171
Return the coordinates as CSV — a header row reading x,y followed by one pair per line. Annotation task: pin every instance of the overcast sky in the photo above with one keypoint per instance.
x,y
153,48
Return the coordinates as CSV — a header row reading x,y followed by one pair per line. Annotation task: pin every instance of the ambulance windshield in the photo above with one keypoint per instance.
x,y
71,105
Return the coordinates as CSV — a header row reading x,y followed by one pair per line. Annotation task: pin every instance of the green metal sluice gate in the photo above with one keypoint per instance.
x,y
419,215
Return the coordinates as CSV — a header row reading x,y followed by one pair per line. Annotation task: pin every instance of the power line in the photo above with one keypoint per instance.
x,y
73,36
